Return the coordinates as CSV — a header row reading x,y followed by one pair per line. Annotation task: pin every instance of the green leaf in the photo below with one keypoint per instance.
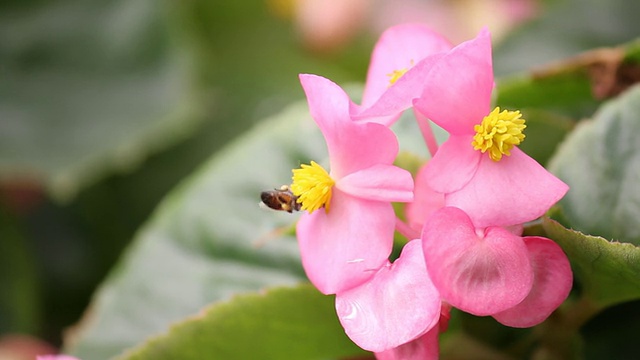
x,y
565,28
609,272
600,161
202,244
544,133
87,87
284,323
554,98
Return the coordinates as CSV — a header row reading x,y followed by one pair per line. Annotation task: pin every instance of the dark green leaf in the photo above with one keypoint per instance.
x,y
609,272
600,161
285,323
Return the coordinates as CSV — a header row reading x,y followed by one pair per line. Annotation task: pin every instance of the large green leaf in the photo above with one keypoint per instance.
x,y
284,323
608,271
600,161
201,245
87,87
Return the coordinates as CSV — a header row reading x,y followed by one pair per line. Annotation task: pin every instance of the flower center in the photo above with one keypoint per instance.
x,y
395,75
498,133
312,185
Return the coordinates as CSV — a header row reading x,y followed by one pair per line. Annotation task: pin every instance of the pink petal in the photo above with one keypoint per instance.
x,y
344,248
425,347
399,47
551,286
396,306
511,191
425,202
352,146
454,165
457,91
480,272
398,97
379,182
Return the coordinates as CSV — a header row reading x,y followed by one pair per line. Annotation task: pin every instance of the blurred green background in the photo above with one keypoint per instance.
x,y
106,105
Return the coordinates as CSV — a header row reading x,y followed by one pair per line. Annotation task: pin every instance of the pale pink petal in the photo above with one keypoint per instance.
x,y
551,285
478,271
425,201
396,306
425,347
511,191
399,47
352,146
457,91
379,182
454,165
398,97
344,248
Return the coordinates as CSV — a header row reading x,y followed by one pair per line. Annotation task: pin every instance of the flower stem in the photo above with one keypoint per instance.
x,y
405,230
427,132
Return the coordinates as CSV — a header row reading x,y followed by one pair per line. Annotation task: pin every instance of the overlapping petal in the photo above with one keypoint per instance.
x,y
395,307
342,248
425,347
481,272
426,201
379,182
352,146
457,91
454,165
398,97
399,47
511,191
551,286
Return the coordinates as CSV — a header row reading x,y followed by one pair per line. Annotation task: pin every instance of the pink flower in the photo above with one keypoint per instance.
x,y
479,168
396,306
551,284
396,71
343,244
491,271
425,347
425,201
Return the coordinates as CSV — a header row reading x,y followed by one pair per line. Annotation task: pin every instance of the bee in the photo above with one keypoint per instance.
x,y
280,199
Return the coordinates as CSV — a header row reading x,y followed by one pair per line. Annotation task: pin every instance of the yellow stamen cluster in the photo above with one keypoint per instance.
x,y
498,133
312,185
395,75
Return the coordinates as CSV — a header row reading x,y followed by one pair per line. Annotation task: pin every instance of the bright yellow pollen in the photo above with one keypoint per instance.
x,y
312,185
498,133
395,75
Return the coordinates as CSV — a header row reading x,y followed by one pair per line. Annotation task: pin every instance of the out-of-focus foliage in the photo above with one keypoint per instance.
x,y
276,322
110,104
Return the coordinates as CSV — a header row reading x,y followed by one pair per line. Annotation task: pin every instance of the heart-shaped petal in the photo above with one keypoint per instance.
x,y
551,286
480,271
